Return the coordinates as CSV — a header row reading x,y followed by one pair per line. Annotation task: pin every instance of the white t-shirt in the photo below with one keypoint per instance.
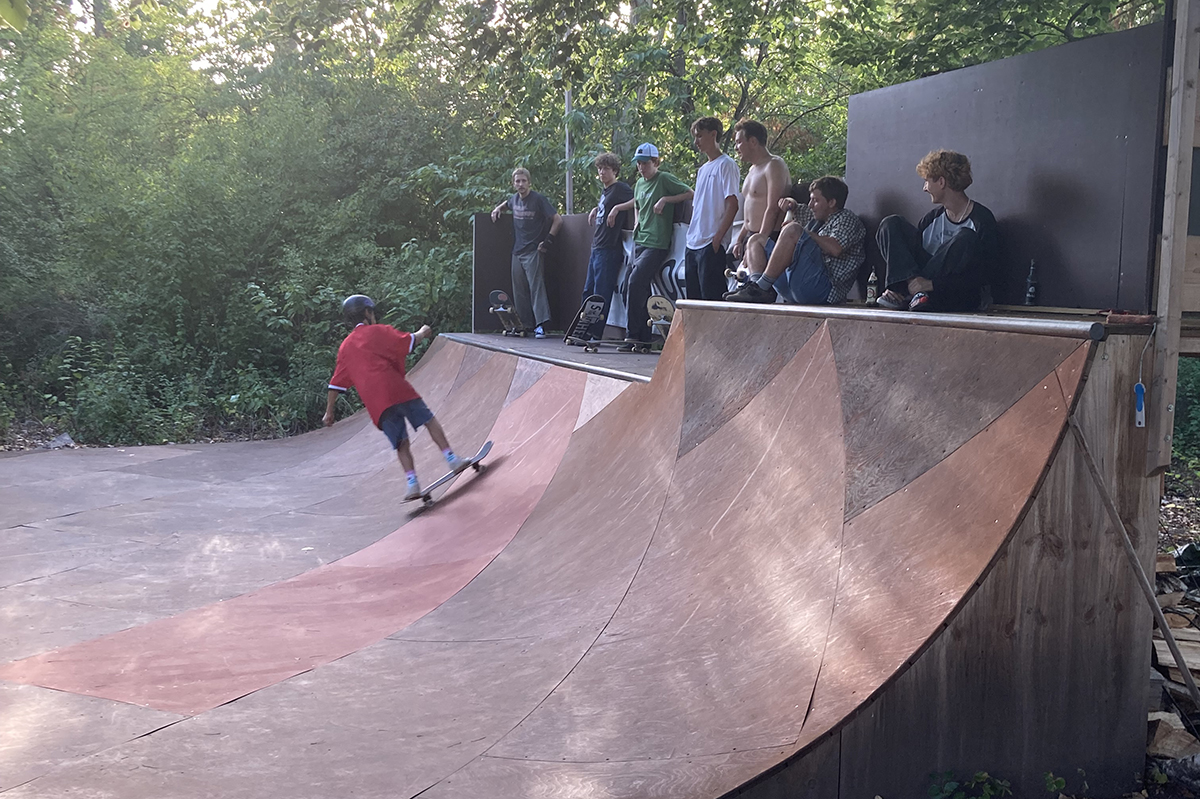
x,y
715,181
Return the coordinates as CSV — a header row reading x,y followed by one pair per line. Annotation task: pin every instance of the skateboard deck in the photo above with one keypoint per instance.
x,y
661,311
591,312
502,307
426,495
594,345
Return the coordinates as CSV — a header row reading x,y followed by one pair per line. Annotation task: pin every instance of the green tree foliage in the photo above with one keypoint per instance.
x,y
186,193
177,239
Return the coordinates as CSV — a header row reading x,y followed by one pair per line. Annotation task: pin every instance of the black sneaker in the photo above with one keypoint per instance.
x,y
752,292
741,285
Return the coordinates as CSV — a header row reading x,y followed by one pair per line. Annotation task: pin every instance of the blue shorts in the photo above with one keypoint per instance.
x,y
391,421
769,247
805,281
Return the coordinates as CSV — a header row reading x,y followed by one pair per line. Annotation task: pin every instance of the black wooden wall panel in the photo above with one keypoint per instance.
x,y
1063,145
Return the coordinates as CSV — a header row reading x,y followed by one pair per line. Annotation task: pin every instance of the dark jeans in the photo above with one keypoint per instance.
x,y
647,261
955,269
704,273
603,267
805,282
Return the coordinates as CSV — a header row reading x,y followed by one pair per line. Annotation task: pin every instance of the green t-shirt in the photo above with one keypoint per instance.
x,y
654,230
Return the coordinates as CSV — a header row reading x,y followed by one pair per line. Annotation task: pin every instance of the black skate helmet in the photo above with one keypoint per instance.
x,y
355,308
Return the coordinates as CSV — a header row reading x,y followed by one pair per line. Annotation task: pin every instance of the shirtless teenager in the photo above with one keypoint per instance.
x,y
767,180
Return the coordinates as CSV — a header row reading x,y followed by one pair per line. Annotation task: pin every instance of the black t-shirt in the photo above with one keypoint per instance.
x,y
605,237
531,221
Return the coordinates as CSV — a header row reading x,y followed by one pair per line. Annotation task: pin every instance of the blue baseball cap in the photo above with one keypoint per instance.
x,y
645,152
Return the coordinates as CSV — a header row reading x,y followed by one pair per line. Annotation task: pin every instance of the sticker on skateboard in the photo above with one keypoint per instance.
x,y
591,312
661,311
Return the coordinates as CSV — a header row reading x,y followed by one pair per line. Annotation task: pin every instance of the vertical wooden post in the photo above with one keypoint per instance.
x,y
1181,133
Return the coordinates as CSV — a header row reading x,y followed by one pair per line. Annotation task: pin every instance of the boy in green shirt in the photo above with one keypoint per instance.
x,y
653,192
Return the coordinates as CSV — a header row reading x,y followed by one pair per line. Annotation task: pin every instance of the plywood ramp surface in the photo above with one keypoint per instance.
x,y
662,589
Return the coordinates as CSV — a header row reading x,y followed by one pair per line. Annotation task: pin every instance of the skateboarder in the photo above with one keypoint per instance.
x,y
372,360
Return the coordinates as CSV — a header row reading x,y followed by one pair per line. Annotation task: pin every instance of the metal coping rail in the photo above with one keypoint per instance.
x,y
1096,331
629,377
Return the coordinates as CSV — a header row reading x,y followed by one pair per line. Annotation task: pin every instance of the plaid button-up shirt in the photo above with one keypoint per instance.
x,y
851,233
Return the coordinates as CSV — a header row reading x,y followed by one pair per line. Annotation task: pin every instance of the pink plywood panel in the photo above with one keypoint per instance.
x,y
909,561
196,660
911,395
719,642
721,345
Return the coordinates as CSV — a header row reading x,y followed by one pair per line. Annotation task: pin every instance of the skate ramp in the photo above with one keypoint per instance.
x,y
663,589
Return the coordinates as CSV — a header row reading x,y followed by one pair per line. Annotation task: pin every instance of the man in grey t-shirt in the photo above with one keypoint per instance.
x,y
535,224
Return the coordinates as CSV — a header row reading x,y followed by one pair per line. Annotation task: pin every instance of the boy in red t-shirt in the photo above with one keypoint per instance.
x,y
372,360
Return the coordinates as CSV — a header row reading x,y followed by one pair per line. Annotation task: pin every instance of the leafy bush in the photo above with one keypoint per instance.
x,y
1187,413
119,406
980,786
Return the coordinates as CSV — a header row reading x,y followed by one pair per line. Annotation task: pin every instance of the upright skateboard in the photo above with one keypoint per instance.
x,y
591,312
661,311
426,495
502,307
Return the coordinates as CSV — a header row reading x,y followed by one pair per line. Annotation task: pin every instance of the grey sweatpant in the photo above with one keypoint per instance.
x,y
529,289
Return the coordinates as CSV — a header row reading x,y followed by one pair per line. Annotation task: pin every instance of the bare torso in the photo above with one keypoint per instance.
x,y
765,184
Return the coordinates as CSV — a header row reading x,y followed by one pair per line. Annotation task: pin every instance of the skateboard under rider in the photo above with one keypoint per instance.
x,y
426,495
502,307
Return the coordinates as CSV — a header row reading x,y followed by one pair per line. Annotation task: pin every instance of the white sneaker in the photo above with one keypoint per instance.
x,y
414,490
458,464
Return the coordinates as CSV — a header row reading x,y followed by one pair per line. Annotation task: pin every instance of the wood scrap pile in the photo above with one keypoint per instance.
x,y
1173,717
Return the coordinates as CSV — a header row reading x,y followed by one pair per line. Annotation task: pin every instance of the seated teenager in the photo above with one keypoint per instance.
x,y
944,262
818,256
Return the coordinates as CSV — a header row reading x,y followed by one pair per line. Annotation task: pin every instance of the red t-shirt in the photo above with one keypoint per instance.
x,y
371,359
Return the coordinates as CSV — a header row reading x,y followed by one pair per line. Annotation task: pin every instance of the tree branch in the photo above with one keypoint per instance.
x,y
804,113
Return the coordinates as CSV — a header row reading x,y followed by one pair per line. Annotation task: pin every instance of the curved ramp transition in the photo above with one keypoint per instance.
x,y
663,589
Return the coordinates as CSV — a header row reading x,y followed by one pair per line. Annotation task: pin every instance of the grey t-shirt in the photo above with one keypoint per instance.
x,y
531,221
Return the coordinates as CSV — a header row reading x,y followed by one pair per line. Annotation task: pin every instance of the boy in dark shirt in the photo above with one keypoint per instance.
x,y
608,253
372,360
535,224
944,262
